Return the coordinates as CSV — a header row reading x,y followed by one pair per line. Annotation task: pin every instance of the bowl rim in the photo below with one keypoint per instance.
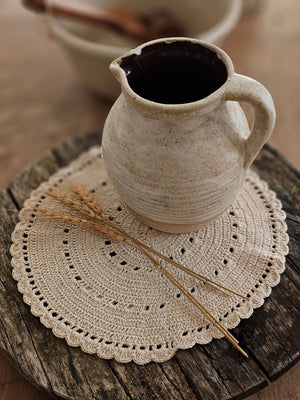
x,y
225,25
214,34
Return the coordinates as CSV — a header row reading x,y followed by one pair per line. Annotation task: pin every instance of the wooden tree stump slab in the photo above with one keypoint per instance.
x,y
214,371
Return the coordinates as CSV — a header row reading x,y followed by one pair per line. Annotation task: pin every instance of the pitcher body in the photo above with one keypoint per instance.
x,y
179,162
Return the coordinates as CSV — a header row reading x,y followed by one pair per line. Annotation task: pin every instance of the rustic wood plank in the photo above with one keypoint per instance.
x,y
14,336
220,372
49,163
284,179
272,333
211,372
214,371
153,381
72,148
32,176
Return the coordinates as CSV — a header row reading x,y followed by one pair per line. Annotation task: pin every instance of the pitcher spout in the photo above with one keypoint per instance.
x,y
116,70
122,66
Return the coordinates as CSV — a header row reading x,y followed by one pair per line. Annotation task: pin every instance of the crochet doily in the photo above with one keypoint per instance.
x,y
109,299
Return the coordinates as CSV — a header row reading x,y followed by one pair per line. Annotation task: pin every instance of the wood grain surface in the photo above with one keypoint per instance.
x,y
215,371
42,102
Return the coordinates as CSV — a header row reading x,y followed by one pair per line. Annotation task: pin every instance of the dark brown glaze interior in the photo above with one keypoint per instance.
x,y
174,73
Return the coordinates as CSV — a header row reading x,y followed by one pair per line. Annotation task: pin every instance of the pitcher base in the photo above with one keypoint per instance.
x,y
173,228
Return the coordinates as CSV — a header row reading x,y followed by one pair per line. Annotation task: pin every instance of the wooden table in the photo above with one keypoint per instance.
x,y
42,102
214,371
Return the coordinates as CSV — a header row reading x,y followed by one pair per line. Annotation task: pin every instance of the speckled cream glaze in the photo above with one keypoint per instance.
x,y
180,166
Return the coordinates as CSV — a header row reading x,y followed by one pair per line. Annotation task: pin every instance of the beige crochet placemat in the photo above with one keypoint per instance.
x,y
108,299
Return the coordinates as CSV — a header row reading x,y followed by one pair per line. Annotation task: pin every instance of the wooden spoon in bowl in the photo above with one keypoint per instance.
x,y
160,23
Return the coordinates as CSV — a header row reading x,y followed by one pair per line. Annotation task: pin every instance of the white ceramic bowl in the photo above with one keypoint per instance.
x,y
91,49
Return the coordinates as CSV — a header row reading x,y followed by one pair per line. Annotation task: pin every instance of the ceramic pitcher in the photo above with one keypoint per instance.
x,y
176,143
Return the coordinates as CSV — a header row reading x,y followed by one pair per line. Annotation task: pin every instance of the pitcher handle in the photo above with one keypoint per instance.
x,y
242,88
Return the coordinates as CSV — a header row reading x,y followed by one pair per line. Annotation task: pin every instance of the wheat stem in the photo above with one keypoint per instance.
x,y
97,211
201,278
194,301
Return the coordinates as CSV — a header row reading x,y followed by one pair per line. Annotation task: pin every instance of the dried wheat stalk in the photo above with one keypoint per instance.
x,y
90,210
